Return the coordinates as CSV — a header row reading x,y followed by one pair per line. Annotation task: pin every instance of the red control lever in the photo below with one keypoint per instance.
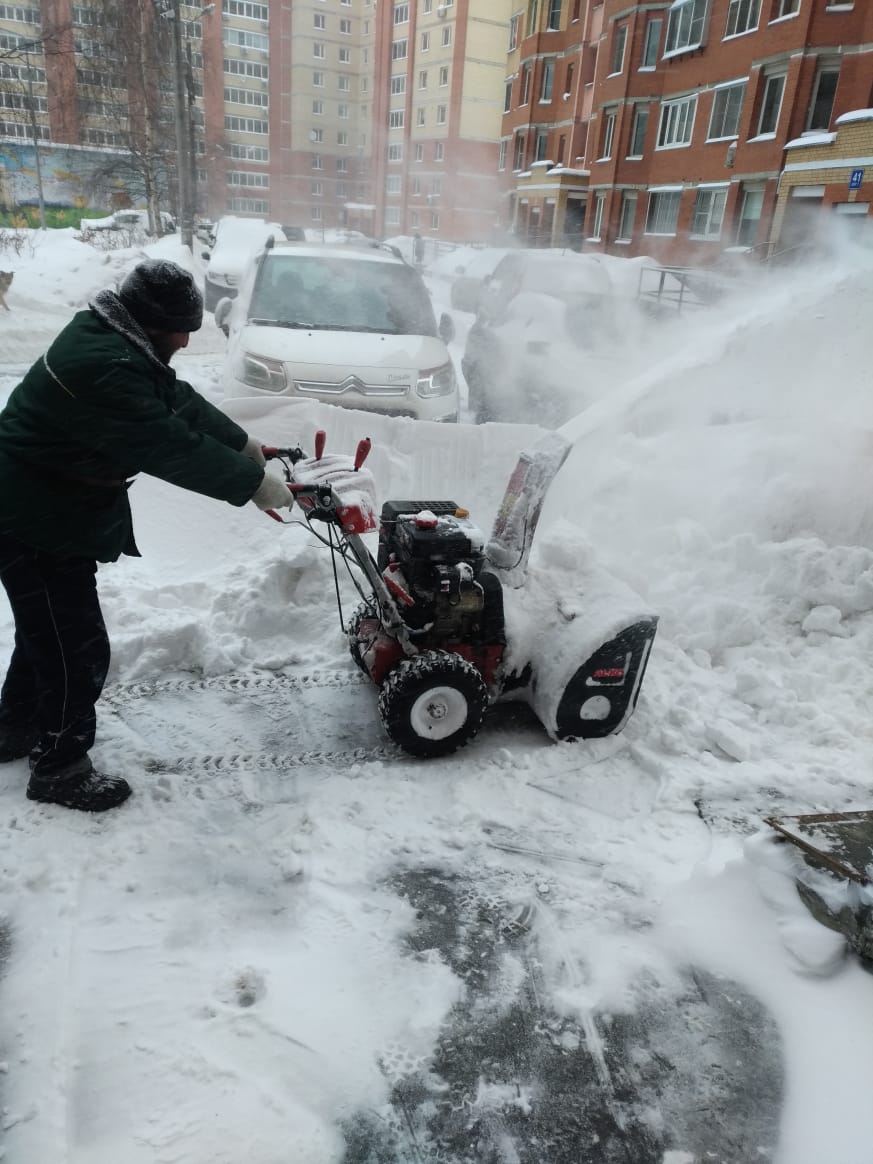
x,y
269,451
362,451
320,438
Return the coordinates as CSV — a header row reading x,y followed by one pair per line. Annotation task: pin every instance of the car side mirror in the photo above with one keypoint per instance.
x,y
223,309
446,328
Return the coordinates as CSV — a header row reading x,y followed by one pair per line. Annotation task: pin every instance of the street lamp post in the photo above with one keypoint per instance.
x,y
183,137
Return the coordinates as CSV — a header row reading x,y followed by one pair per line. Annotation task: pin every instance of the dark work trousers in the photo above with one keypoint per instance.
x,y
61,655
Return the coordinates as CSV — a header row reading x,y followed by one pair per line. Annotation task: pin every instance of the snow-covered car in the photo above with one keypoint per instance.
x,y
236,240
347,324
538,316
130,220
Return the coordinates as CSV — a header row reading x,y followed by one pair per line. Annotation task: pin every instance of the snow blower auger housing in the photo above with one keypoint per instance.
x,y
432,631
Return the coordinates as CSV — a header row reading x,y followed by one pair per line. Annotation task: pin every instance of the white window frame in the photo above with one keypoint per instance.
x,y
725,110
769,80
628,211
785,9
686,26
597,217
318,50
513,32
663,211
651,44
425,42
399,49
743,17
398,84
401,14
444,76
619,49
441,114
547,83
641,114
608,135
319,21
709,206
446,39
396,118
676,123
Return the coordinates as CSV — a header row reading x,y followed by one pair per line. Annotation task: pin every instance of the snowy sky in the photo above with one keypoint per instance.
x,y
295,945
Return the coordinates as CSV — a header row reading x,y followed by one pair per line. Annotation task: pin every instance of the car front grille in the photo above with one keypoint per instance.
x,y
350,384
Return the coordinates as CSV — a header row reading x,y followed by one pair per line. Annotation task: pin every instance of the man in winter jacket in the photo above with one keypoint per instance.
x,y
99,407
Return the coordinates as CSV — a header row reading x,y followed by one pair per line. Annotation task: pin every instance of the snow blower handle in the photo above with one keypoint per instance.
x,y
320,438
362,451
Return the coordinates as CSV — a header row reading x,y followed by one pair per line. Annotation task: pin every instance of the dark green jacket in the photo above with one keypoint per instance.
x,y
98,408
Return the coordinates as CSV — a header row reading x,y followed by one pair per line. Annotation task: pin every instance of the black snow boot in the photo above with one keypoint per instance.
x,y
15,745
86,789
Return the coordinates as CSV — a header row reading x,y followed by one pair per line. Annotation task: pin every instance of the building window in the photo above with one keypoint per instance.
x,y
447,36
422,79
513,32
318,49
640,124
518,153
434,221
533,13
428,7
342,165
750,216
501,156
399,49
686,24
597,220
395,119
319,20
771,104
315,213
342,111
708,216
436,187
554,22
627,217
318,108
742,17
401,14
444,75
507,95
344,83
650,44
568,80
541,145
419,115
548,81
342,138
439,152
677,122
608,134
416,187
316,135
318,80
663,212
425,42
413,217
392,216
345,27
822,104
419,152
395,151
727,106
345,56
441,115
619,40
317,189
393,184
525,85
398,85
785,8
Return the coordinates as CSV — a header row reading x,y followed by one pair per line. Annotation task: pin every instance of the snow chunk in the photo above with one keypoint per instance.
x,y
826,620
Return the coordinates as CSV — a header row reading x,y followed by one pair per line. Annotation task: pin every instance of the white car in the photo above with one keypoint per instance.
x,y
348,324
234,242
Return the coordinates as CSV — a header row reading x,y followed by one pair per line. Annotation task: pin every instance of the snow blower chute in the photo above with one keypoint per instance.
x,y
439,626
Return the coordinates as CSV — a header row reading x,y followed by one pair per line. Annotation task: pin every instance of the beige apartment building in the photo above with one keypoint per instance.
x,y
437,113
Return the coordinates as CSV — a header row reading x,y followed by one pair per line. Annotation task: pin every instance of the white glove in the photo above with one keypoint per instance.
x,y
272,494
252,448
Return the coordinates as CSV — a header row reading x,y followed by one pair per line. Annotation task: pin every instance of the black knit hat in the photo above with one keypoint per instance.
x,y
163,296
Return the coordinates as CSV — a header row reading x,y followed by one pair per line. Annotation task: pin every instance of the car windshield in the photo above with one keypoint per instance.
x,y
331,293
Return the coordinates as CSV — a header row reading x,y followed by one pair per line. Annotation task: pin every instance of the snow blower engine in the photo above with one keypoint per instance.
x,y
433,631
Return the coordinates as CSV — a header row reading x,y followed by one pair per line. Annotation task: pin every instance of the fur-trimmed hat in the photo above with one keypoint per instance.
x,y
163,296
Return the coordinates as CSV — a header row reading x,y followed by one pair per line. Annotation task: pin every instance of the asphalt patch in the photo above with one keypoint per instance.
x,y
695,1070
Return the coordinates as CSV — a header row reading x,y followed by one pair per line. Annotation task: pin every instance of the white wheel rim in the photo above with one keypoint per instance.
x,y
438,713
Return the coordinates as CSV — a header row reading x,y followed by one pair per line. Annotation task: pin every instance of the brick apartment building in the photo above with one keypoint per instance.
x,y
681,129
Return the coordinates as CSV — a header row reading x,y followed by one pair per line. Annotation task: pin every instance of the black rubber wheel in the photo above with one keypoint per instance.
x,y
433,704
362,611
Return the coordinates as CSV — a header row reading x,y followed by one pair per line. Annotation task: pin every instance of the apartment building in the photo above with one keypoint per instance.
x,y
278,102
437,114
703,124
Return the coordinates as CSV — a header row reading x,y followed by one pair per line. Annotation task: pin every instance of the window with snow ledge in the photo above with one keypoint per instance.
x,y
686,26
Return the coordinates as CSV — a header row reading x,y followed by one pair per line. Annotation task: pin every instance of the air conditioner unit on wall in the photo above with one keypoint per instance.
x,y
442,10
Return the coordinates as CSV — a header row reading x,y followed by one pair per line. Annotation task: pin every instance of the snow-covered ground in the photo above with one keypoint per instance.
x,y
295,944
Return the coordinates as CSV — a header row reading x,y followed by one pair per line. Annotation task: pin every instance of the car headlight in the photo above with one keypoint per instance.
x,y
436,381
260,372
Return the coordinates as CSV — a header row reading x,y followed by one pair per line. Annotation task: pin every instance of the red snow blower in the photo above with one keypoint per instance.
x,y
441,625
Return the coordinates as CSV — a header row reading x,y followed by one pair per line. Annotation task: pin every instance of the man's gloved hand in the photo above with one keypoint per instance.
x,y
272,494
252,448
